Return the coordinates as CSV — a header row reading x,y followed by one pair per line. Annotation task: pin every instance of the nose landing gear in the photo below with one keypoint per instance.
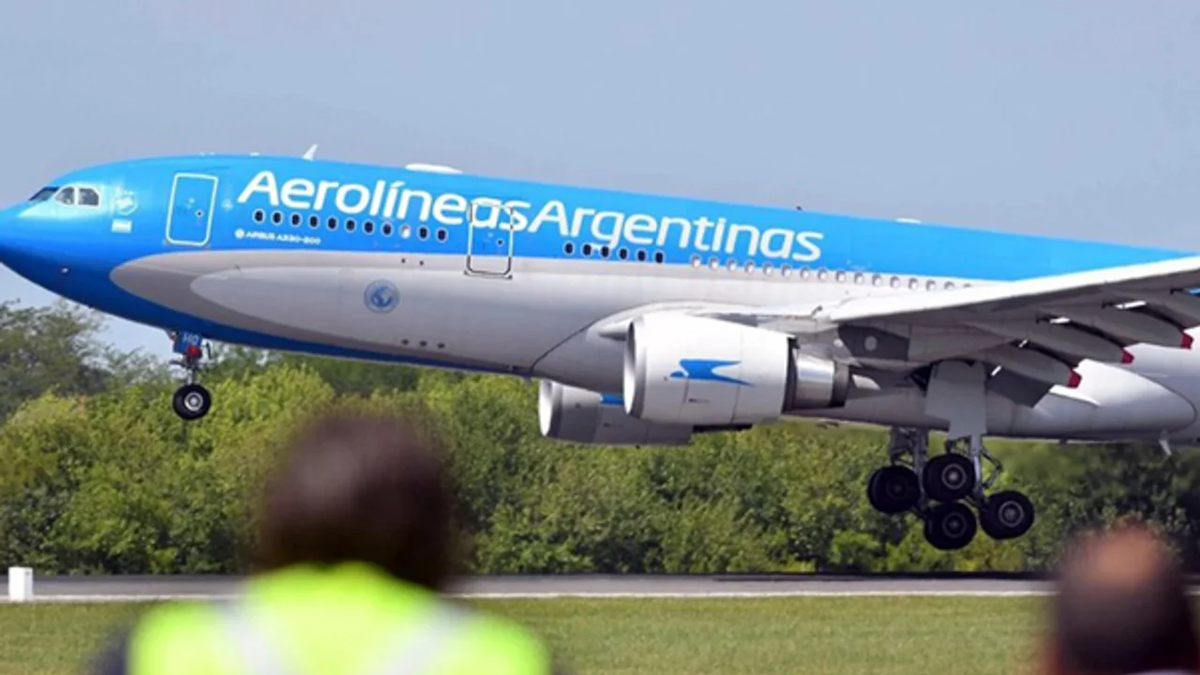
x,y
191,401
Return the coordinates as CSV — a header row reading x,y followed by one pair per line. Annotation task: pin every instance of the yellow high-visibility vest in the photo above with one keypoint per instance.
x,y
350,619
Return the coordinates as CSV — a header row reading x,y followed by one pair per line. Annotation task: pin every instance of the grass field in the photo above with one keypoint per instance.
x,y
928,636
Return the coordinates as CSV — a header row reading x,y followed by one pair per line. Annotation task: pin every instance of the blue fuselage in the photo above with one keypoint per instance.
x,y
461,271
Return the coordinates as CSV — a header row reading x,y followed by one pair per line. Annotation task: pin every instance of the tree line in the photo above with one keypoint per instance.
x,y
100,476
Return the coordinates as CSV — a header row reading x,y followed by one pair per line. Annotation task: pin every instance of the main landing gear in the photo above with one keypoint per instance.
x,y
191,401
943,489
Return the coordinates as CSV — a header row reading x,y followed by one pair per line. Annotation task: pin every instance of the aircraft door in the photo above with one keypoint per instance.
x,y
490,238
193,199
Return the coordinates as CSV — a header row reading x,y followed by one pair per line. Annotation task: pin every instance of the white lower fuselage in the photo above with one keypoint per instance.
x,y
544,322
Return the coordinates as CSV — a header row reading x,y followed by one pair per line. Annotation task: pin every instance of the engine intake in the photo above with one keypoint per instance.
x,y
690,370
582,416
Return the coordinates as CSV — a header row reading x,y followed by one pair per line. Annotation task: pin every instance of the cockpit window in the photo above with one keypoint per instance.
x,y
72,195
88,197
43,194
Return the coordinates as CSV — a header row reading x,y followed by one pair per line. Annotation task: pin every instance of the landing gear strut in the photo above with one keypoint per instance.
x,y
941,490
191,401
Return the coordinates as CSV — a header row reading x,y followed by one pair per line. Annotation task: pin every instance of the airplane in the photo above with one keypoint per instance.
x,y
646,319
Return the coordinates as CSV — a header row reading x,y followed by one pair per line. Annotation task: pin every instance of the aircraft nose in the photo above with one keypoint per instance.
x,y
7,216
10,234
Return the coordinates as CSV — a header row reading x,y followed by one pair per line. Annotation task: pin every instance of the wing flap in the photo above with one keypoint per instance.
x,y
1085,315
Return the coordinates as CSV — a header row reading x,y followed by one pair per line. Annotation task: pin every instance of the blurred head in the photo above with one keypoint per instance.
x,y
361,488
1122,607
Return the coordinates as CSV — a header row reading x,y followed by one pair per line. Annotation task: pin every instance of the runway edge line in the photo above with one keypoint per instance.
x,y
746,595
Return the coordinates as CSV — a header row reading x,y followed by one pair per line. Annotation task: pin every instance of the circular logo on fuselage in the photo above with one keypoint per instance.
x,y
381,296
125,203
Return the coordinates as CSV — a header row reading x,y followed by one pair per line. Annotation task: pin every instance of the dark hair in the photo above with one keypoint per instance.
x,y
1122,607
363,488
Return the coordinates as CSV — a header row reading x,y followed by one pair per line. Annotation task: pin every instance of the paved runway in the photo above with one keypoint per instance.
x,y
110,589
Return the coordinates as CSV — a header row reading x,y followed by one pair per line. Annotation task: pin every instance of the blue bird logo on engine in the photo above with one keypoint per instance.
x,y
704,370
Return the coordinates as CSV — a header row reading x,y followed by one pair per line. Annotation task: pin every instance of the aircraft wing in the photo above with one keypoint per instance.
x,y
1037,329
1031,298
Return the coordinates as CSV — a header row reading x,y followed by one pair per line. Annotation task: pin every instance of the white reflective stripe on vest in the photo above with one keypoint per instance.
x,y
414,652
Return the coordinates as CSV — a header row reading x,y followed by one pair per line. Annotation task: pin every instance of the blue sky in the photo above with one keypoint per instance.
x,y
1074,118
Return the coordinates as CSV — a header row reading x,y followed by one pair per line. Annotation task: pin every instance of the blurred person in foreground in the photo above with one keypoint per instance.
x,y
1121,607
356,545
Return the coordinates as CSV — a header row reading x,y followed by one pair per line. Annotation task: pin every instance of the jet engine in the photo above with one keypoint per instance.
x,y
696,371
582,416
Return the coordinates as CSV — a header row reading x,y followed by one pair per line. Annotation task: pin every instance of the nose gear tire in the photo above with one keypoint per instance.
x,y
191,401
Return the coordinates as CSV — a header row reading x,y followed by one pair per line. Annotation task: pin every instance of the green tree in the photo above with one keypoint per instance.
x,y
53,348
101,476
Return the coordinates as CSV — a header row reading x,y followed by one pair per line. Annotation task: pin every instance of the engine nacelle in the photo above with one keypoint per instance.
x,y
683,369
583,416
